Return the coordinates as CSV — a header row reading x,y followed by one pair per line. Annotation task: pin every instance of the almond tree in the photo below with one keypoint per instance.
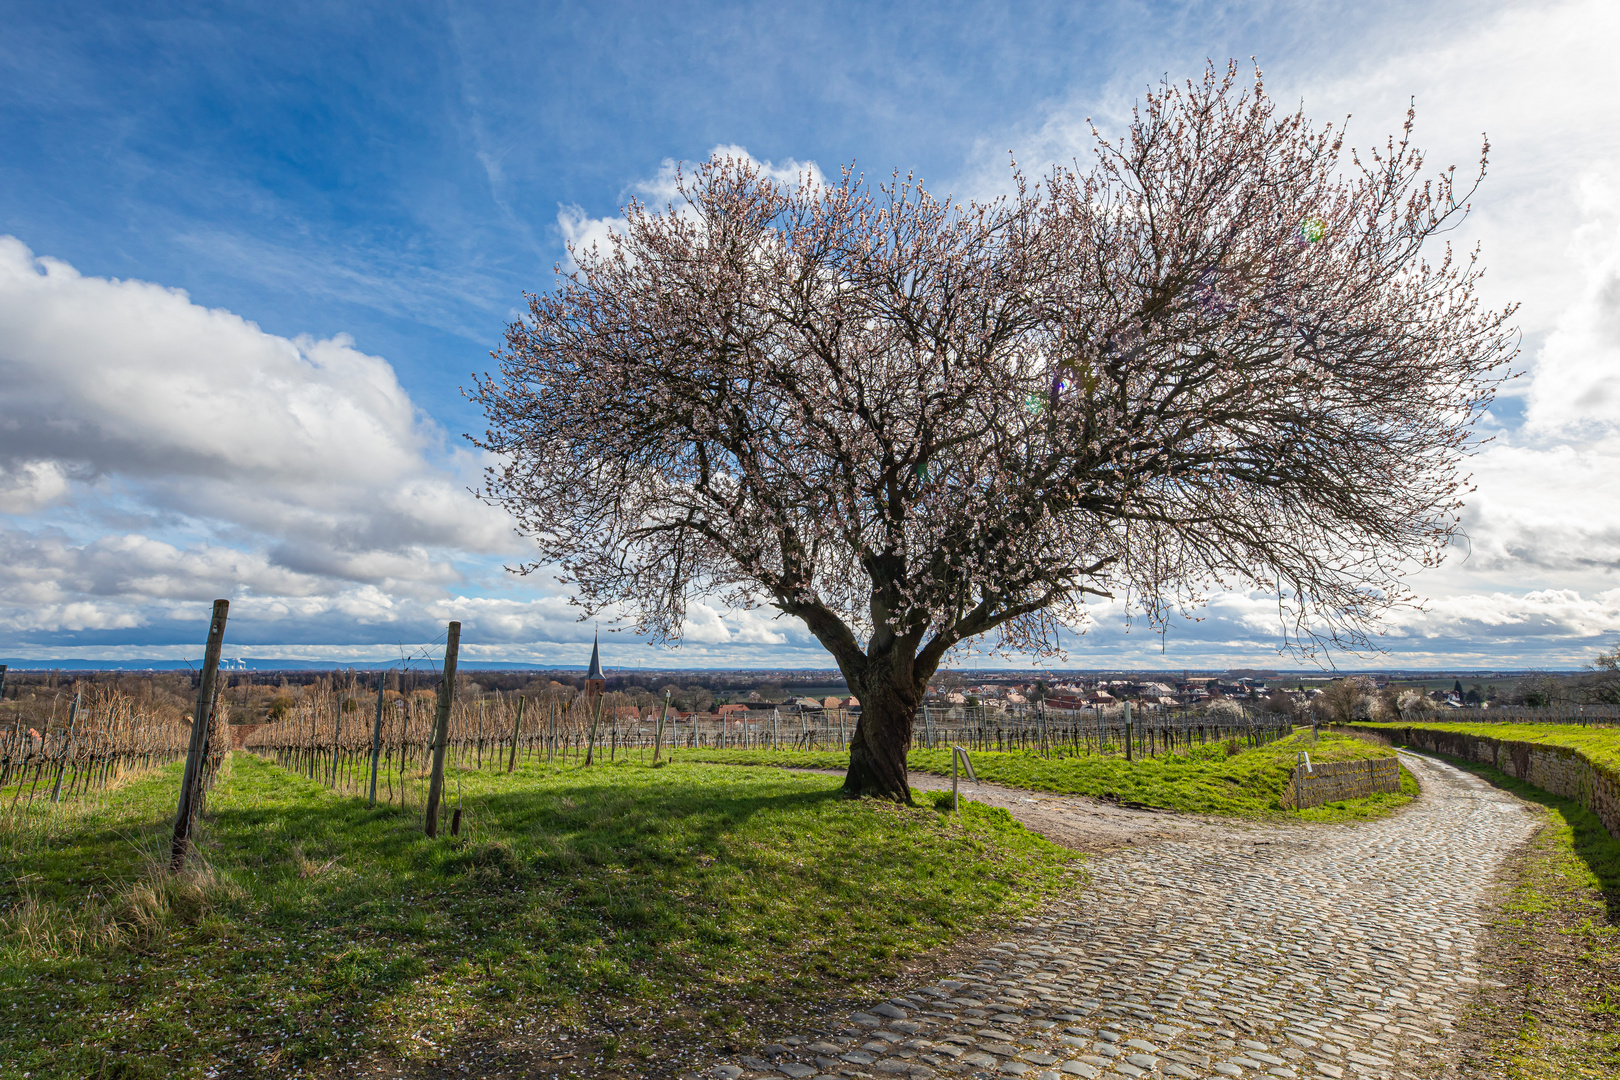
x,y
1219,357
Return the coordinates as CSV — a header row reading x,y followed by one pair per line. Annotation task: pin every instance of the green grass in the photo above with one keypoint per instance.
x,y
1556,949
1599,745
323,932
1205,780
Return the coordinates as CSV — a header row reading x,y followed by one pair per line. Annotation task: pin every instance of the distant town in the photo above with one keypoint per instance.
x,y
260,696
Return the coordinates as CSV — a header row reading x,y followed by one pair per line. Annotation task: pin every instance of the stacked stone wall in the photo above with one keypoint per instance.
x,y
1556,769
1341,780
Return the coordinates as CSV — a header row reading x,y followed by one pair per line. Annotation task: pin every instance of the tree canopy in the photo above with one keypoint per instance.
x,y
1220,356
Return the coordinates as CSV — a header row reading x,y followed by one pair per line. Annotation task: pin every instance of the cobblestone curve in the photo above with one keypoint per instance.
x,y
1327,951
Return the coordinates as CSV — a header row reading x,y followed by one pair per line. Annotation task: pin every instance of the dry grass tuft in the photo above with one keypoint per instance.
x,y
309,868
137,917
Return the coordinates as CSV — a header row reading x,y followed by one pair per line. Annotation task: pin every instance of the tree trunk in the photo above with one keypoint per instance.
x,y
877,749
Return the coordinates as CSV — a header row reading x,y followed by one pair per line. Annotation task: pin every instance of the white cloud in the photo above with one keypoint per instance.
x,y
1577,371
197,411
155,454
27,486
582,233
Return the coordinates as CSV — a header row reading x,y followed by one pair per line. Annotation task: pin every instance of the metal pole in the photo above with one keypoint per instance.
x,y
1129,752
337,728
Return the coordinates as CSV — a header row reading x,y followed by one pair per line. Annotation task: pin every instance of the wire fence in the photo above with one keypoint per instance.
x,y
358,736
335,731
1103,731
343,722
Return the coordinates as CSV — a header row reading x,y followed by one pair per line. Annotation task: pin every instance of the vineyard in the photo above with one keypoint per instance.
x,y
392,736
102,734
342,728
73,740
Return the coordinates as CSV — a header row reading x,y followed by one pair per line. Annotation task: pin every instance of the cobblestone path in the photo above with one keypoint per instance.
x,y
1306,951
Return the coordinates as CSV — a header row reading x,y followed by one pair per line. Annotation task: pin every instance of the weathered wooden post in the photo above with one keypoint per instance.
x,y
441,726
376,733
202,720
67,746
337,729
517,728
658,741
590,746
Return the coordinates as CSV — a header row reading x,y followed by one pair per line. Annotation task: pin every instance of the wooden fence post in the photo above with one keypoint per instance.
x,y
67,748
337,730
186,814
517,728
441,727
376,734
590,746
658,741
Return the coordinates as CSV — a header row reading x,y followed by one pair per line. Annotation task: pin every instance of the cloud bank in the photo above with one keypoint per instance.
x,y
155,454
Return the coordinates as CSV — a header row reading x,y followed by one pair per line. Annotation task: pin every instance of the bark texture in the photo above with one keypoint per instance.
x,y
877,749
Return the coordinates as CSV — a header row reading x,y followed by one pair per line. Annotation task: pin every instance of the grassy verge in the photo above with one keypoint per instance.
x,y
1555,950
614,911
1599,745
1206,779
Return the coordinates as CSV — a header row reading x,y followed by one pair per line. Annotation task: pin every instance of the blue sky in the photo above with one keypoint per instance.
x,y
353,199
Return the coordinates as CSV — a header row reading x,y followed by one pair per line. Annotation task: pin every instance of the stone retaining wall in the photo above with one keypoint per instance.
x,y
1556,769
1337,780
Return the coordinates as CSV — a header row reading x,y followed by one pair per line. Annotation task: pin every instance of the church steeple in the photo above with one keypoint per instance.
x,y
595,681
595,671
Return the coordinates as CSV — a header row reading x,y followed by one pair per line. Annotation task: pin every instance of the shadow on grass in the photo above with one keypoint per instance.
x,y
343,930
638,866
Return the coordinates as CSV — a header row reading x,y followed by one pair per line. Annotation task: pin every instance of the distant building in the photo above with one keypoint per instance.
x,y
595,681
